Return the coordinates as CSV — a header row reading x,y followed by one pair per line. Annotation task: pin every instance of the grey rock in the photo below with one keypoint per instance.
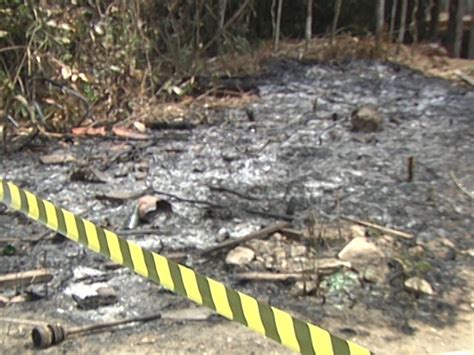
x,y
357,231
376,273
298,250
305,287
418,285
198,313
360,248
240,256
366,119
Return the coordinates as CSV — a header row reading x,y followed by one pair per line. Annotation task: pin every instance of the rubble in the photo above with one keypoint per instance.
x,y
419,285
239,256
358,231
358,249
366,119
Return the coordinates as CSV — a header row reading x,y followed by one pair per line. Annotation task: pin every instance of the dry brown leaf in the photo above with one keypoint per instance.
x,y
128,133
148,205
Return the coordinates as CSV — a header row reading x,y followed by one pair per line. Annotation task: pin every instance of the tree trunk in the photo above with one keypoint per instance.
x,y
434,24
197,33
459,28
337,12
413,21
309,23
222,9
470,50
392,20
380,24
276,40
424,11
455,27
403,22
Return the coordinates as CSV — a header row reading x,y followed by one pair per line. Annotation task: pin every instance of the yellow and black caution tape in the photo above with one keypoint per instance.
x,y
266,320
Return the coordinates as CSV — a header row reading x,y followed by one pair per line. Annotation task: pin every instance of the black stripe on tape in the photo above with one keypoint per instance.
x,y
104,246
125,251
151,266
303,336
7,197
62,228
236,306
268,321
81,230
340,346
177,278
205,291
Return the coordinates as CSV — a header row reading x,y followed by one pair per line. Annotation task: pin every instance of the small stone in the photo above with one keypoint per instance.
x,y
468,252
419,285
297,250
366,119
329,265
447,243
269,262
222,234
277,236
440,251
360,248
106,292
376,273
141,175
279,253
416,251
357,231
4,301
198,313
53,159
305,287
240,256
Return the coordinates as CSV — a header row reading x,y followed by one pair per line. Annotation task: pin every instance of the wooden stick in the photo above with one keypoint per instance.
x,y
25,278
100,326
22,321
262,233
388,230
460,186
270,276
464,77
411,168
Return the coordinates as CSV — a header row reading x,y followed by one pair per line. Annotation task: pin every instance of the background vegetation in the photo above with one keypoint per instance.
x,y
63,62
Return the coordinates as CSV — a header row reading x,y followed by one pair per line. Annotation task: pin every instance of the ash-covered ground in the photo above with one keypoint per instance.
x,y
290,155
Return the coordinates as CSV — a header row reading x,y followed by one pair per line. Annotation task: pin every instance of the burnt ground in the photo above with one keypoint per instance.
x,y
247,168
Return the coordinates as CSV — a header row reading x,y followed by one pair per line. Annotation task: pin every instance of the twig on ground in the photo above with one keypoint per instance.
x,y
220,206
464,77
327,129
22,321
47,335
383,229
128,232
237,193
25,278
460,186
325,266
270,276
262,233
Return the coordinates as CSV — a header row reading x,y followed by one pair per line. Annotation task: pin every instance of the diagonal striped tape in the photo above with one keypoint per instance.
x,y
269,321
